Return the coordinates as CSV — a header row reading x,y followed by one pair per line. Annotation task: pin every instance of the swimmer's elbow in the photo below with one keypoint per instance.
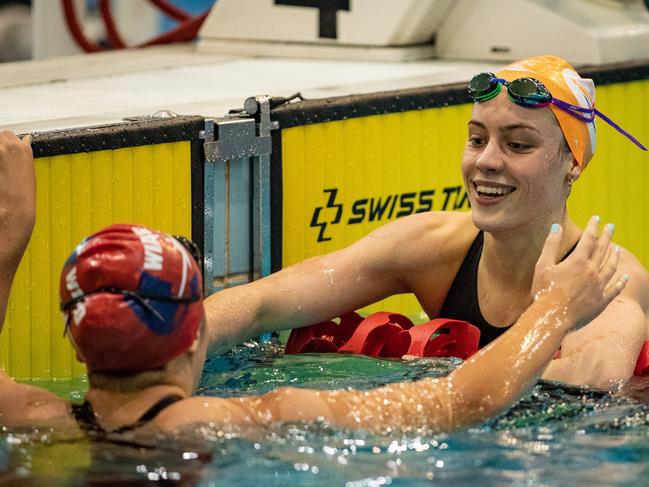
x,y
606,375
231,318
596,373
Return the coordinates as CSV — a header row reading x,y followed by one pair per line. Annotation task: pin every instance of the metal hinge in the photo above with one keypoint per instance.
x,y
240,135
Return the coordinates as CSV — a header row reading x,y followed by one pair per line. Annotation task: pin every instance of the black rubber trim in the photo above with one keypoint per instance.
x,y
117,136
197,156
276,199
616,72
343,107
340,108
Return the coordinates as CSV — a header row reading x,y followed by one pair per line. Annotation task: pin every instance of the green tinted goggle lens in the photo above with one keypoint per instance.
x,y
528,92
484,86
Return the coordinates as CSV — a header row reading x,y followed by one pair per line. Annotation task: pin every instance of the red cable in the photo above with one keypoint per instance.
x,y
114,38
185,32
171,10
75,30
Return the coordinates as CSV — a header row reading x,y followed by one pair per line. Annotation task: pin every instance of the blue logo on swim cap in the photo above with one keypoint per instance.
x,y
165,309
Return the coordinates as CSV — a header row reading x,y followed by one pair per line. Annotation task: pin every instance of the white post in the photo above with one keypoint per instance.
x,y
136,22
51,36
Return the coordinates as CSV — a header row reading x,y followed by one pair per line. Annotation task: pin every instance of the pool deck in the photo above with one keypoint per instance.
x,y
104,88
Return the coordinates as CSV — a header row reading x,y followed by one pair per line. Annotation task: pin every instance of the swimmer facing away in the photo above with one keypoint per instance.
x,y
132,303
530,136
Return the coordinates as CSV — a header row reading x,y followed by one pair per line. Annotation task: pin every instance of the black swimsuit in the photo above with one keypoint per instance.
x,y
127,436
85,416
461,302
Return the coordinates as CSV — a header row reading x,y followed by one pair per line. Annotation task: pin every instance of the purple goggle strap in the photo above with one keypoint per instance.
x,y
575,111
572,109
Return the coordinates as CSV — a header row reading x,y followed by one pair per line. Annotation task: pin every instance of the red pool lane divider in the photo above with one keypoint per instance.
x,y
642,365
392,335
387,335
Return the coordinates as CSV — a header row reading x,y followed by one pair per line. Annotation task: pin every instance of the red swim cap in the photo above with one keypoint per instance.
x,y
132,299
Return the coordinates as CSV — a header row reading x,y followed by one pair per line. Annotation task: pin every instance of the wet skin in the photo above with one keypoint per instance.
x,y
515,151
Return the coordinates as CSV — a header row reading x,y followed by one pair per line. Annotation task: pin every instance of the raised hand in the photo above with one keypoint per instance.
x,y
17,208
17,192
585,278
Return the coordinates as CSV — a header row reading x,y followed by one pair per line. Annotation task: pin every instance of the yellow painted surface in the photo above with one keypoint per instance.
x,y
77,195
372,158
614,185
380,167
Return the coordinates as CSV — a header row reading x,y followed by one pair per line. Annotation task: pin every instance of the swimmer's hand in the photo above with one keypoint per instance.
x,y
17,191
584,280
17,207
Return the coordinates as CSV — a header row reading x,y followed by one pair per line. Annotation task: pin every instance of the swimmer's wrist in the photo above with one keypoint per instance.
x,y
553,307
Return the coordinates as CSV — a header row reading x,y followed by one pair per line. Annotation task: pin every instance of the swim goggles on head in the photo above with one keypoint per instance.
x,y
191,247
532,93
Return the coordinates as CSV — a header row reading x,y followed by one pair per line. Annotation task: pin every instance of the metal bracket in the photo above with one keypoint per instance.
x,y
231,144
236,137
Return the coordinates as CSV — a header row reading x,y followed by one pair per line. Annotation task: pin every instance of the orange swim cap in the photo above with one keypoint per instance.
x,y
565,84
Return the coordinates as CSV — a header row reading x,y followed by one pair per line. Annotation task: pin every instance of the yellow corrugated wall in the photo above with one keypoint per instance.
x,y
78,194
614,185
421,150
366,157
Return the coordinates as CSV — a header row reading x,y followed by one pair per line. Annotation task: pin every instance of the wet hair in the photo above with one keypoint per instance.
x,y
125,382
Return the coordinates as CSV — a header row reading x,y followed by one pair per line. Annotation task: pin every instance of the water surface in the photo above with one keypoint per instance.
x,y
553,436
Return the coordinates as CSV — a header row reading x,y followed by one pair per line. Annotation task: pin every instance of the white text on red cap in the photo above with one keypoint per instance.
x,y
152,249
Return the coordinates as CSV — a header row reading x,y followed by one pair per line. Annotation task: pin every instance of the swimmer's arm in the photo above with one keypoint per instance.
x,y
27,405
308,292
17,208
568,294
483,386
603,354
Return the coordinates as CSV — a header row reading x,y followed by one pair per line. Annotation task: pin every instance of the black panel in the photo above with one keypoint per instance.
x,y
352,106
276,198
126,134
616,73
327,9
198,194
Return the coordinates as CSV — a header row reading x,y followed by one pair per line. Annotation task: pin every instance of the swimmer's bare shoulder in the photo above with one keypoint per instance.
x,y
215,412
638,286
431,237
602,354
427,249
24,405
634,299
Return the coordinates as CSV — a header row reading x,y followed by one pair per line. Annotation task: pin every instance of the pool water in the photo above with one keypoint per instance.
x,y
553,436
